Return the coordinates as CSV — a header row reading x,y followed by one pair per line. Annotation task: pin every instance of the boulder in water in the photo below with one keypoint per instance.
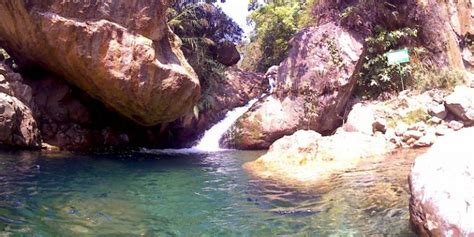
x,y
441,183
307,157
120,52
313,86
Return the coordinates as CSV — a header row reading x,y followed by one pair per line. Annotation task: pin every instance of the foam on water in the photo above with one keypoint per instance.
x,y
210,141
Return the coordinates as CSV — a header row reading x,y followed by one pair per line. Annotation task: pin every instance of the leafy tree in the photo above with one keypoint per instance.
x,y
276,22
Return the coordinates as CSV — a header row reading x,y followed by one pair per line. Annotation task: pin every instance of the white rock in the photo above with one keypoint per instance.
x,y
438,110
461,104
425,141
412,134
401,129
360,119
456,125
442,187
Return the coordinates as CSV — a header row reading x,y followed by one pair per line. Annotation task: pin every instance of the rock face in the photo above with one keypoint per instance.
x,y
312,88
119,52
443,25
441,182
306,156
18,127
236,90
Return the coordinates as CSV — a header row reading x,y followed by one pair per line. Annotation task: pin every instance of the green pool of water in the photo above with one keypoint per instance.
x,y
140,194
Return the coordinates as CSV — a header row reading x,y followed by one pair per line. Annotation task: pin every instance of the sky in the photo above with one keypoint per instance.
x,y
237,10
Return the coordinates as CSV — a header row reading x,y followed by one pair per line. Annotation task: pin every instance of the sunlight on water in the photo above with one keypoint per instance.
x,y
191,195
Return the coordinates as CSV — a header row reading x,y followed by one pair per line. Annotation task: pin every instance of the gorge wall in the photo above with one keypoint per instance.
x,y
122,53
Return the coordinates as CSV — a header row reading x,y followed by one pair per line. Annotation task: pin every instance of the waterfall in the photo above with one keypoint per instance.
x,y
272,83
210,141
211,138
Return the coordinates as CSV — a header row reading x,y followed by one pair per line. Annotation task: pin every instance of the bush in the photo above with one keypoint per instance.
x,y
424,78
376,76
201,26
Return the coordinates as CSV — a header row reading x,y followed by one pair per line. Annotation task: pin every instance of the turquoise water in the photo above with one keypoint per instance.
x,y
193,195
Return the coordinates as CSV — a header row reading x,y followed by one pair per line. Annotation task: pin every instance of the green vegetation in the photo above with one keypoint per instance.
x,y
376,76
275,22
411,118
425,78
201,27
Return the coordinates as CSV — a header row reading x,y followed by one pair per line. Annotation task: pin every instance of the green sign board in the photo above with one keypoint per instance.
x,y
398,56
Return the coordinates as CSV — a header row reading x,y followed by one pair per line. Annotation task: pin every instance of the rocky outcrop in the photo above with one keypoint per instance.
x,y
119,52
413,120
461,104
443,26
235,90
227,53
18,128
312,88
441,182
308,157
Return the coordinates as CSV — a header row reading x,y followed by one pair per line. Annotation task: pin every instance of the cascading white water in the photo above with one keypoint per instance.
x,y
210,140
272,83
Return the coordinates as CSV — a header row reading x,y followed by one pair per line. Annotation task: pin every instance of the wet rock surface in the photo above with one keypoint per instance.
x,y
235,90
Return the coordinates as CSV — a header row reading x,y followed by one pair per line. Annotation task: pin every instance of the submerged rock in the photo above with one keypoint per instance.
x,y
120,52
308,157
441,183
313,86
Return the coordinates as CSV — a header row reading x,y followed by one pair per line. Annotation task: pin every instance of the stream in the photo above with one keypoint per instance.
x,y
132,194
